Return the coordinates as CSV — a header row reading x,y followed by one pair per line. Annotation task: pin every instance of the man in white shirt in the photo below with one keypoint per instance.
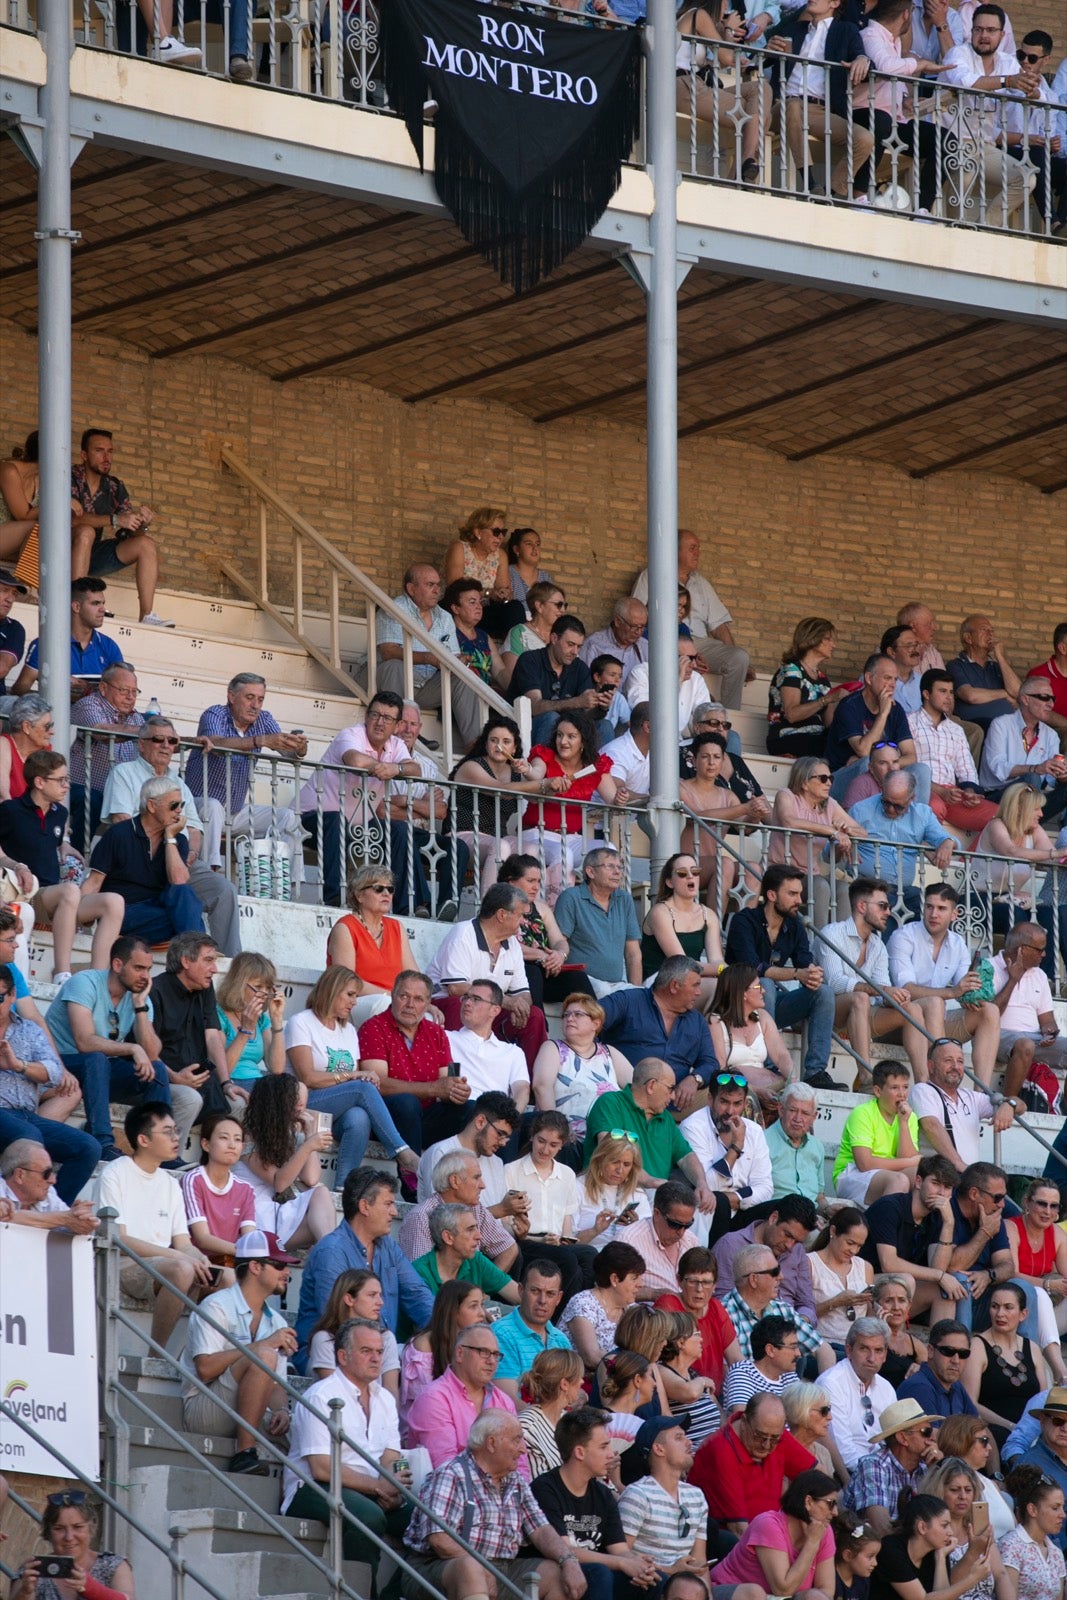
x,y
629,757
709,622
950,1116
691,689
28,1196
1028,1028
933,964
955,795
369,1419
622,638
987,65
935,28
487,946
1031,131
857,1391
236,1383
730,1147
860,1011
1020,747
151,1218
494,1118
419,602
488,1062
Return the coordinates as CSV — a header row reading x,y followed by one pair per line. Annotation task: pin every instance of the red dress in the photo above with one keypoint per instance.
x,y
18,777
581,789
1035,1263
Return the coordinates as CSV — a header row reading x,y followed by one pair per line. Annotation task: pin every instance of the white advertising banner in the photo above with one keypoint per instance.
x,y
48,1361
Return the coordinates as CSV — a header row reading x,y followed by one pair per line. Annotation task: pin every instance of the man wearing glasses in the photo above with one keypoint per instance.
x,y
662,1239
112,708
757,1279
1054,670
28,1196
897,818
440,1417
907,1448
622,638
157,747
937,1385
742,1469
145,861
1049,1452
1022,748
981,1254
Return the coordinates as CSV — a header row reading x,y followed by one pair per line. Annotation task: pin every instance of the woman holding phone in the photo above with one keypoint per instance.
x,y
957,1485
70,1526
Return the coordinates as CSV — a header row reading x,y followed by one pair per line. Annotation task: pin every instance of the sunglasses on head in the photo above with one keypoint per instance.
x,y
886,744
622,1133
736,1078
68,1497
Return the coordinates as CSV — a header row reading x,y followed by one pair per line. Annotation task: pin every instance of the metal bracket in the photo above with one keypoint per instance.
x,y
58,233
638,263
29,138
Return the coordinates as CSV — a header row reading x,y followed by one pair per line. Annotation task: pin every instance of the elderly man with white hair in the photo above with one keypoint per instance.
x,y
798,1158
623,638
157,747
27,1194
145,861
1021,748
856,1390
457,1180
481,1495
598,921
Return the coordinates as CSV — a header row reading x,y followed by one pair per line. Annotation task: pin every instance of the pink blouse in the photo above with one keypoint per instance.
x,y
790,811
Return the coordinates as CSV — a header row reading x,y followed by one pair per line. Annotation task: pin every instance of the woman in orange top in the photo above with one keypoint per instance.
x,y
368,941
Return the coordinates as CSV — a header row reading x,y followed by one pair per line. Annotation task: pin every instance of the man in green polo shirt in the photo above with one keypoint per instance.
x,y
642,1109
455,1254
880,1140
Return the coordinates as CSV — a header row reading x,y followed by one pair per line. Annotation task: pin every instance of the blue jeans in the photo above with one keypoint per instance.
x,y
542,727
844,776
974,1314
406,1112
176,910
813,1006
356,1108
77,1153
106,1078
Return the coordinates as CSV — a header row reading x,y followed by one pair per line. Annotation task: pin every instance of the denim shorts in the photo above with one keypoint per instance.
x,y
105,558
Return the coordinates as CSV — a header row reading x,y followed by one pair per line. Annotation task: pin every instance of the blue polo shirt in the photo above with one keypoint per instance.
x,y
33,837
961,669
89,989
918,826
963,1232
634,1025
852,720
935,1399
401,1285
596,936
99,654
124,856
520,1344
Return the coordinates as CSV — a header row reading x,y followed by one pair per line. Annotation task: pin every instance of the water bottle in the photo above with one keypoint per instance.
x,y
153,708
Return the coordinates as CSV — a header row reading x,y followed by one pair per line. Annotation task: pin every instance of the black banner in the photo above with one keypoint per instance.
x,y
534,119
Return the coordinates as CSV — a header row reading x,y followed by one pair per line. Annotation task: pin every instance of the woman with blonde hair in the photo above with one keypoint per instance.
x,y
1013,892
252,1015
369,941
70,1526
546,603
323,1049
551,1387
808,1414
610,1193
959,1486
801,699
805,808
892,1294
479,553
570,1073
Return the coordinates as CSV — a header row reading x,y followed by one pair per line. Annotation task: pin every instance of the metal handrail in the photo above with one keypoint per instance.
x,y
452,669
178,1565
110,1244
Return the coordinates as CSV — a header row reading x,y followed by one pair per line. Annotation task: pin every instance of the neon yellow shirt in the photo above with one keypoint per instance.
x,y
867,1126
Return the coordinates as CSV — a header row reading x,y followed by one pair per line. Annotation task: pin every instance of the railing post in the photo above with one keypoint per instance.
x,y
298,581
116,1444
177,1565
263,587
336,1539
335,616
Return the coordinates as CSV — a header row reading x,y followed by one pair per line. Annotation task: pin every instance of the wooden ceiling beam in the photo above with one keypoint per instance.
x,y
987,448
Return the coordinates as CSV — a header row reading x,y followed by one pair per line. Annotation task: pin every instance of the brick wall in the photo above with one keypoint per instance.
x,y
840,536
1046,14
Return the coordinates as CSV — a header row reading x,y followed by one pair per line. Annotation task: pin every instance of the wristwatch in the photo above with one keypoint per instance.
x,y
1010,1100
140,1011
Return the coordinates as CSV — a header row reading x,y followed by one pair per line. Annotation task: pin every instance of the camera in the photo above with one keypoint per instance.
x,y
56,1566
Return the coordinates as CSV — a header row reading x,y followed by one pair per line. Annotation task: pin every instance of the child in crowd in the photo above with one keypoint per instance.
x,y
857,1551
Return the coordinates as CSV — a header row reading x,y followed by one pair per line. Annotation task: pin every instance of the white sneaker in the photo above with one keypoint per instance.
x,y
173,53
60,978
152,619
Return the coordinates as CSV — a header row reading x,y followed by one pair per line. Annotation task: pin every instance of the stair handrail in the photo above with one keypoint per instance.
x,y
110,1245
450,666
177,1562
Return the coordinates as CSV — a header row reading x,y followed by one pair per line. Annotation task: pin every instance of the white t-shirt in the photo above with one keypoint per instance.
x,y
965,1116
1030,999
333,1049
462,956
149,1204
488,1064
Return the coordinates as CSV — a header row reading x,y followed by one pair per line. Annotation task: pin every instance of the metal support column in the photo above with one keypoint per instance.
x,y
660,273
54,244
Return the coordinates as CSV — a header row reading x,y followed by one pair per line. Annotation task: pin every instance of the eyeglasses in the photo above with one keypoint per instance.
x,y
765,1438
1052,1205
175,805
380,888
58,777
715,722
671,1222
477,1000
868,1410
886,744
1056,1422
161,738
767,1272
939,1042
823,1411
1049,699
821,777
40,1172
501,1133
895,805
623,1133
997,1199
707,1284
927,1432
559,605
1026,55
684,1525
952,1352
736,1078
482,1350
983,1438
382,716
68,1497
114,1025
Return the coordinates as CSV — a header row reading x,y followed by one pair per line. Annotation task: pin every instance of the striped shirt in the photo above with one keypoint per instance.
x,y
217,723
744,1320
662,1527
944,748
745,1379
